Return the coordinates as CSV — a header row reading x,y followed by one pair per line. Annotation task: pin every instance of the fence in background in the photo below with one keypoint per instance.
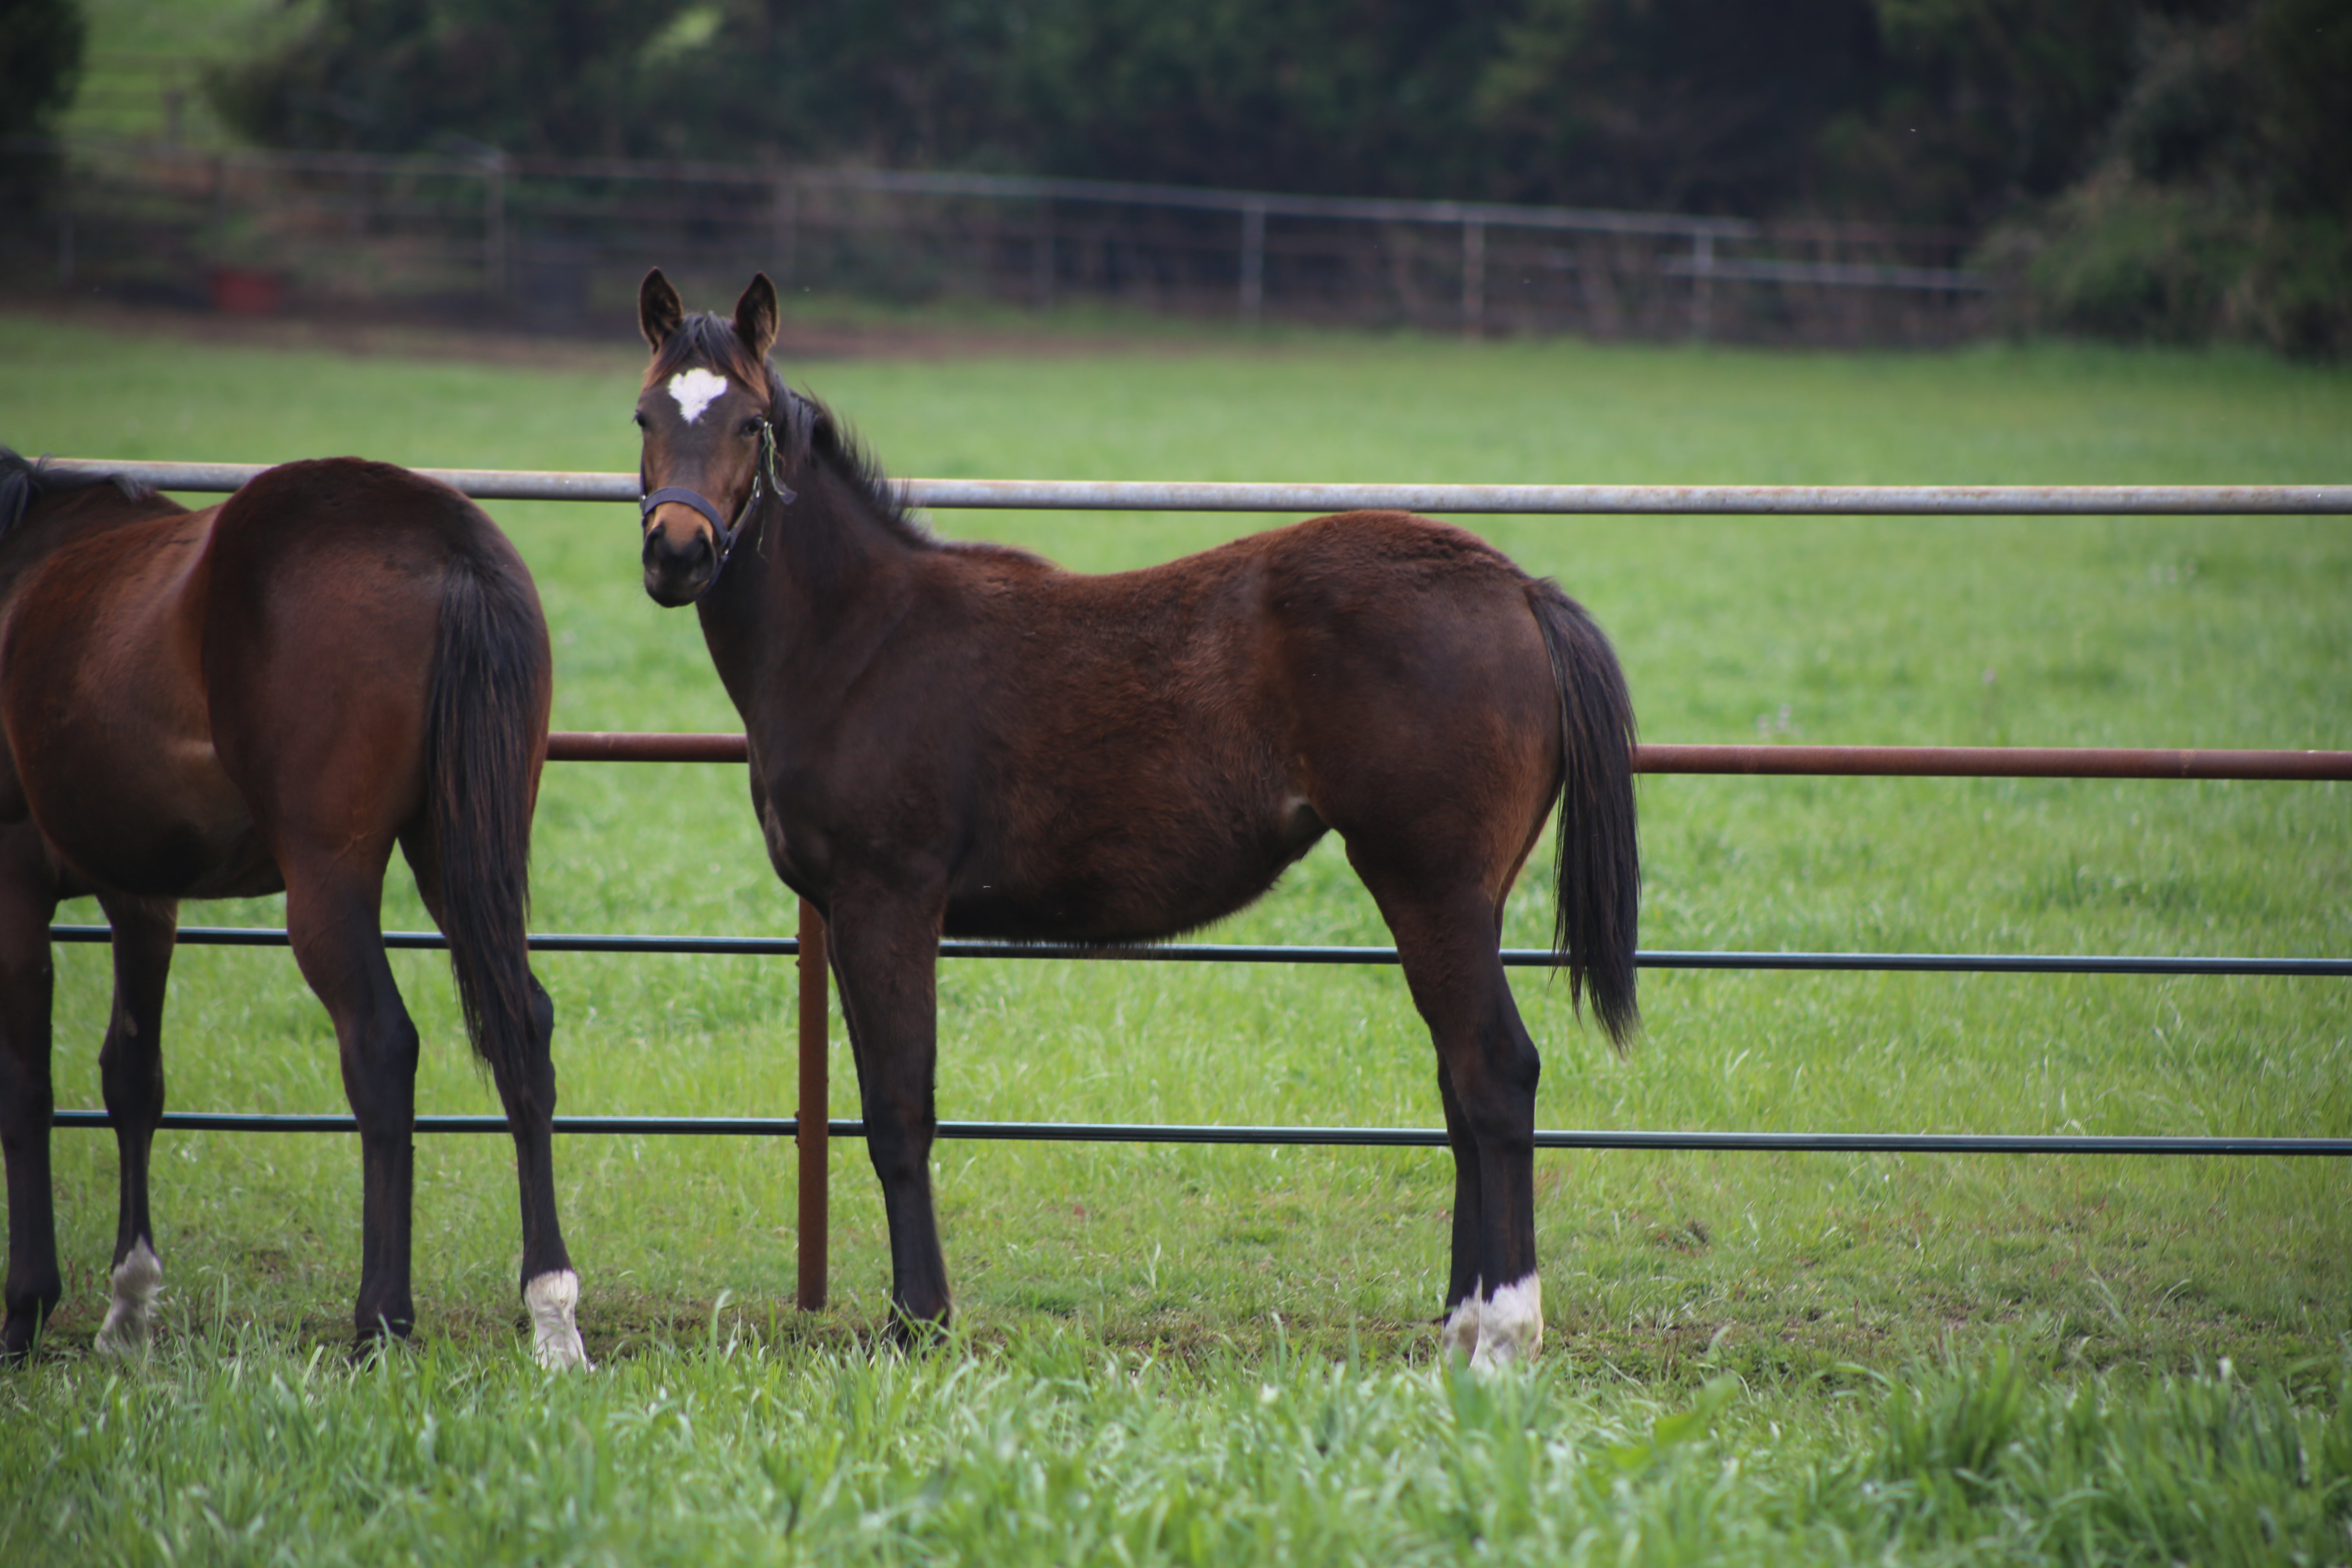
x,y
554,242
813,1127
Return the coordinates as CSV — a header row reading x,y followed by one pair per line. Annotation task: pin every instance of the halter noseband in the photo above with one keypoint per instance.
x,y
764,476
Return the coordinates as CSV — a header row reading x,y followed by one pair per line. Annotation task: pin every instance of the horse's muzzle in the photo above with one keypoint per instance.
x,y
679,565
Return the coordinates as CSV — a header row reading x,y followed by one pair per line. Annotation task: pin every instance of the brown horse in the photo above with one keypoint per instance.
x,y
268,695
964,740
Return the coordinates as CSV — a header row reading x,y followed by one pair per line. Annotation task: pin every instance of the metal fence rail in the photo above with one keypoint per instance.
x,y
1782,760
1286,1137
1243,953
812,1136
1148,495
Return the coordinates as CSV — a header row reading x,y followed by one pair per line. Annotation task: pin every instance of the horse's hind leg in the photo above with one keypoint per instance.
x,y
1488,1071
28,898
551,1289
334,922
131,1071
1460,1335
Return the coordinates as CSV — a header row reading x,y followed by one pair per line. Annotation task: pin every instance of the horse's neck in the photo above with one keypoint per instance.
x,y
53,521
809,592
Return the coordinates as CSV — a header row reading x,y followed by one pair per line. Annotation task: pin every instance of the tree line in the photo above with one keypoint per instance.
x,y
2143,168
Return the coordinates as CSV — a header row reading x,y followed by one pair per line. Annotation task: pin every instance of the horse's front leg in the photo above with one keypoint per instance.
x,y
885,956
131,1072
333,920
28,898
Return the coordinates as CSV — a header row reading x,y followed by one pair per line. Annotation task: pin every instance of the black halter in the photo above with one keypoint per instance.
x,y
764,477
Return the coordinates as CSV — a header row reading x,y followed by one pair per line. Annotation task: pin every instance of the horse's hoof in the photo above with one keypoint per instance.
x,y
130,1326
379,1339
1457,1335
554,1336
1510,1326
911,1332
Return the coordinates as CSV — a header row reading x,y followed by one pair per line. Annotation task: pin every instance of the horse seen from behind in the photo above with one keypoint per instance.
x,y
268,694
964,740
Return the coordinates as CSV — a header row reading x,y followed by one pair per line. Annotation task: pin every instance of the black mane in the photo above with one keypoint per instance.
x,y
22,478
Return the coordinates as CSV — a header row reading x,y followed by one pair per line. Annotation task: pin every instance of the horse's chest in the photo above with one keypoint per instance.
x,y
796,847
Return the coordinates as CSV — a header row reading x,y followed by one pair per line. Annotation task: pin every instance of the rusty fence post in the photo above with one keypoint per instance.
x,y
814,1111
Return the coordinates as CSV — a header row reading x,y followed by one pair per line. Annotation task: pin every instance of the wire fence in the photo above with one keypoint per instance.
x,y
814,1128
555,242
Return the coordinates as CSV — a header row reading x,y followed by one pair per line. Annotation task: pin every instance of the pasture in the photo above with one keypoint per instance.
x,y
1198,1354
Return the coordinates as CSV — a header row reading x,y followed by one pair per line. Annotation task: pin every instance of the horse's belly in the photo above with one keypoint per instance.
x,y
1138,885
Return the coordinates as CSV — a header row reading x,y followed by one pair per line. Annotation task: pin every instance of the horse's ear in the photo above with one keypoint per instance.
x,y
755,316
659,309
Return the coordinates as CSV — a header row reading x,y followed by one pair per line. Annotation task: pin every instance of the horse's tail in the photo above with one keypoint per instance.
x,y
1600,864
487,729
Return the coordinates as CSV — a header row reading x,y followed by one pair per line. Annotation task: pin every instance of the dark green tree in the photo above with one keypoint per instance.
x,y
41,45
537,76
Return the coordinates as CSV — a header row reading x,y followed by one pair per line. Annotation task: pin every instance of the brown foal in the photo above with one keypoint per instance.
x,y
965,740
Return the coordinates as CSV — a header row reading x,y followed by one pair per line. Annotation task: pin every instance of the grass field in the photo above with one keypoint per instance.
x,y
1221,1354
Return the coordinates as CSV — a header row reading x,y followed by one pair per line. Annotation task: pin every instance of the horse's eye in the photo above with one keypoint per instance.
x,y
750,427
639,419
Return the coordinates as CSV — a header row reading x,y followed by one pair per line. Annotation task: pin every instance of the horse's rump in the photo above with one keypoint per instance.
x,y
321,638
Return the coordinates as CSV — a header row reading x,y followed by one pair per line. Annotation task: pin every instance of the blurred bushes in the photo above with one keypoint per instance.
x,y
2219,202
41,45
2152,170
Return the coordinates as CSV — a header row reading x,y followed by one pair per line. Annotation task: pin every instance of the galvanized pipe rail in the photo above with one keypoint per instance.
x,y
1150,494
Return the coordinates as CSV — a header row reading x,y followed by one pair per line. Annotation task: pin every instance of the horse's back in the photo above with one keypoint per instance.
x,y
1344,629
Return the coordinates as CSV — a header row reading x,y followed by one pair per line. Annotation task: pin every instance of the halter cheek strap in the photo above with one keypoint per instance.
x,y
764,476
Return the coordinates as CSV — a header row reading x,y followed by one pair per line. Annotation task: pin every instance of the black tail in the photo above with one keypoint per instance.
x,y
490,677
1598,918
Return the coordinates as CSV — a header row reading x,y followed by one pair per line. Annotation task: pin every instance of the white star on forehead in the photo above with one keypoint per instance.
x,y
696,390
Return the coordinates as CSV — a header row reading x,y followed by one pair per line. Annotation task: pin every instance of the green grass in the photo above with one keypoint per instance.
x,y
1128,1301
1056,1450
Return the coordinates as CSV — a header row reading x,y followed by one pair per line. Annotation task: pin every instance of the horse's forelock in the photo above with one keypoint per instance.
x,y
710,342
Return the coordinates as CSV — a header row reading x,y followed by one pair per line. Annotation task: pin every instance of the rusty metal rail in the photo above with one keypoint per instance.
x,y
1150,495
1814,762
